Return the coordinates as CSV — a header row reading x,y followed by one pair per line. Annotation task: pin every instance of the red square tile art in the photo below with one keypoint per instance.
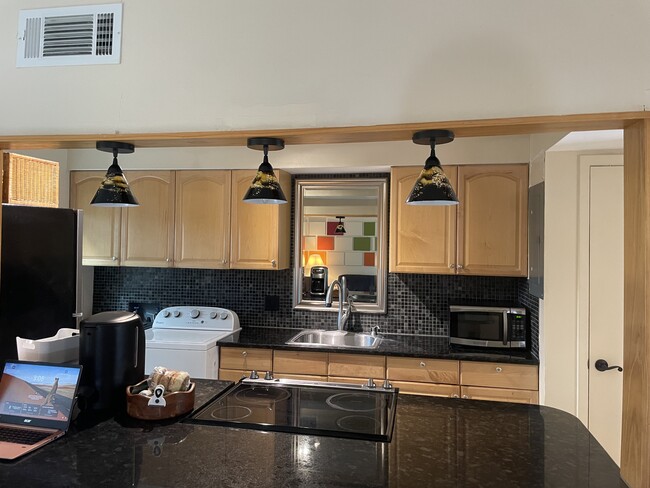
x,y
325,243
368,258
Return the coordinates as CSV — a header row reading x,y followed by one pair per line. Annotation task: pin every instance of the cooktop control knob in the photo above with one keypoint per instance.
x,y
166,313
254,375
387,385
268,376
177,313
223,316
371,383
213,315
194,313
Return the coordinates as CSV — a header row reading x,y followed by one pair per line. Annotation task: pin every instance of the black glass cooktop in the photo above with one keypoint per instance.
x,y
315,408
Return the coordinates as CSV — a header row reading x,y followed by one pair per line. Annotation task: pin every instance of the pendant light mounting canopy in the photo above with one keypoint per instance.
x,y
435,136
265,187
114,190
432,186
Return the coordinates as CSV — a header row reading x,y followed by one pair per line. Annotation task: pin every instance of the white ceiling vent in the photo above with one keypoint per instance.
x,y
70,36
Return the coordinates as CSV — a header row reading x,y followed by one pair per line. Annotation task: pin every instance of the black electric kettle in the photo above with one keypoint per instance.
x,y
111,351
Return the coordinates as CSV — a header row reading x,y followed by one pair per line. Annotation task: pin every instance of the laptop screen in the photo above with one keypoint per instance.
x,y
38,394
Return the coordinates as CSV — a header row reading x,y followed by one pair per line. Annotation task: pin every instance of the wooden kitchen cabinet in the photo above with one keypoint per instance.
x,y
300,363
202,219
259,233
485,235
423,376
101,225
493,220
362,366
422,238
499,382
148,230
236,362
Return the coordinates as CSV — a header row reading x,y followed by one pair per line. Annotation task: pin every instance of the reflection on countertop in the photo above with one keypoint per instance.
x,y
436,442
391,345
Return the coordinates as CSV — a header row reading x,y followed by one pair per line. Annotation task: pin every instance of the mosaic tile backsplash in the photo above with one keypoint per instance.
x,y
417,304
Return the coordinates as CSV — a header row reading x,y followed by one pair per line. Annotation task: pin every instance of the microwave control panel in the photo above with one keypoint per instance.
x,y
517,327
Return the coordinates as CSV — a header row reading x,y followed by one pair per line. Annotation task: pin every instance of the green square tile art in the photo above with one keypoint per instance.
x,y
362,244
368,228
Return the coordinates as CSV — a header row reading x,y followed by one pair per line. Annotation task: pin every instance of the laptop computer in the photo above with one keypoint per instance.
x,y
36,401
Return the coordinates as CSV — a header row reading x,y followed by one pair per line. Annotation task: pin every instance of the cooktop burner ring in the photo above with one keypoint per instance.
x,y
358,423
262,395
230,412
353,402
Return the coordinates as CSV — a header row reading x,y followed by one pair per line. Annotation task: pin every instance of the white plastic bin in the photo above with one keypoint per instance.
x,y
60,348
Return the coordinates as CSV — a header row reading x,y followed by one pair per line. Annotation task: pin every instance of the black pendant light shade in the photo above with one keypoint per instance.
x,y
114,190
432,186
265,187
340,228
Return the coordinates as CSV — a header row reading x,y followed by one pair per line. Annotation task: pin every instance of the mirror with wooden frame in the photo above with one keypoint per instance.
x,y
341,230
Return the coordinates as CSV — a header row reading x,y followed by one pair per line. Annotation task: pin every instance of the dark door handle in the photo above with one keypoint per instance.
x,y
601,365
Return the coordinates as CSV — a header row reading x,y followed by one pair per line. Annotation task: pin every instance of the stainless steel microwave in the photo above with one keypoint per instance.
x,y
480,326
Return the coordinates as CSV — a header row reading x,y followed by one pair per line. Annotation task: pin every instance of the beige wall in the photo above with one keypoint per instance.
x,y
562,360
217,65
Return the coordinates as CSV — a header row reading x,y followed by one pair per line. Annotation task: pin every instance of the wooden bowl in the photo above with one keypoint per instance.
x,y
178,403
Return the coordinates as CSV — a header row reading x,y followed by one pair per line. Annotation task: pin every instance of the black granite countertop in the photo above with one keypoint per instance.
x,y
437,442
391,345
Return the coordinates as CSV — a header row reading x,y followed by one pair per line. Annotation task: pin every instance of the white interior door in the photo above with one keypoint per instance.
x,y
606,305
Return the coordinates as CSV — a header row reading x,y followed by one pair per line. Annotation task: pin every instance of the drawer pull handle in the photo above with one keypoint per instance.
x,y
244,353
454,395
498,369
466,397
422,364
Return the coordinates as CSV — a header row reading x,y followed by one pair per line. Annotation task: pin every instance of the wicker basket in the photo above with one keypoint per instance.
x,y
30,181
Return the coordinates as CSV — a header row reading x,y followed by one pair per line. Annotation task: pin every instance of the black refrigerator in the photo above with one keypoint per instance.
x,y
40,273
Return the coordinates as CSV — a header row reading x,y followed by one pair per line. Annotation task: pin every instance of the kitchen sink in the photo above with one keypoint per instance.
x,y
335,338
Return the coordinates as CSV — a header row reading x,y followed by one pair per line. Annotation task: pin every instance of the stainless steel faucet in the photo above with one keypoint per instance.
x,y
345,305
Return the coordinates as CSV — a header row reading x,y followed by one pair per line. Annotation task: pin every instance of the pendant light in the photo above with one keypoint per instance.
x,y
340,228
265,187
114,190
432,186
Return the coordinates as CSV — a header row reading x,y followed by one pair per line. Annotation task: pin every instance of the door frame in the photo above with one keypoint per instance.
x,y
586,162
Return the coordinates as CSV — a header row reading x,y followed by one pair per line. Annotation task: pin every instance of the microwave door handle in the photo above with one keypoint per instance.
x,y
505,327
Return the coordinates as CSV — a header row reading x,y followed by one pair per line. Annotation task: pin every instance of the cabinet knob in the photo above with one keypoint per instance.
x,y
498,369
452,266
459,266
466,397
167,259
244,353
273,262
114,258
422,364
455,395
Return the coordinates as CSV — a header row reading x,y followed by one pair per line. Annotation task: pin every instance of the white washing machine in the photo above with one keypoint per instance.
x,y
185,339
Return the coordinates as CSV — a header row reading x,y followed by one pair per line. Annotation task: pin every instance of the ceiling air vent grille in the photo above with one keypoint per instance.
x,y
70,36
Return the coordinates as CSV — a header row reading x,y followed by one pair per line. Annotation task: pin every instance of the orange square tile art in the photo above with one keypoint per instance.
x,y
325,243
368,258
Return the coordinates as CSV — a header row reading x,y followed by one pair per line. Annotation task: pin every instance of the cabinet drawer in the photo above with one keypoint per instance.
x,y
246,358
499,394
498,375
232,374
428,389
422,370
357,365
300,362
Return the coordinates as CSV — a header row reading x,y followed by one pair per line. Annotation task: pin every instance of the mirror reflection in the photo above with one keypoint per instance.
x,y
341,235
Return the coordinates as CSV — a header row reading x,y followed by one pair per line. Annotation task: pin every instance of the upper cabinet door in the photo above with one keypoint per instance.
x,y
148,230
202,233
493,237
259,233
101,225
422,238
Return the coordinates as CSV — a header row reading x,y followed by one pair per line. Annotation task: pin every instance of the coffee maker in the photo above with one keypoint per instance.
x,y
111,351
318,282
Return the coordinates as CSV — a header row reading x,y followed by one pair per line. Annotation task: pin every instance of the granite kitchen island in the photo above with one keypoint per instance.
x,y
436,442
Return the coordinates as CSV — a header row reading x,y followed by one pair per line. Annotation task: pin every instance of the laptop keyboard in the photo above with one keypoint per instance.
x,y
21,436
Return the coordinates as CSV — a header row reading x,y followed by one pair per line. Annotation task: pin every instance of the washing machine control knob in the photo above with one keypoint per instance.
x,y
213,315
194,313
166,313
223,316
177,313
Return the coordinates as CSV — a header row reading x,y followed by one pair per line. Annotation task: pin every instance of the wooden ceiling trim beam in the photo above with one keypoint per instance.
x,y
336,135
